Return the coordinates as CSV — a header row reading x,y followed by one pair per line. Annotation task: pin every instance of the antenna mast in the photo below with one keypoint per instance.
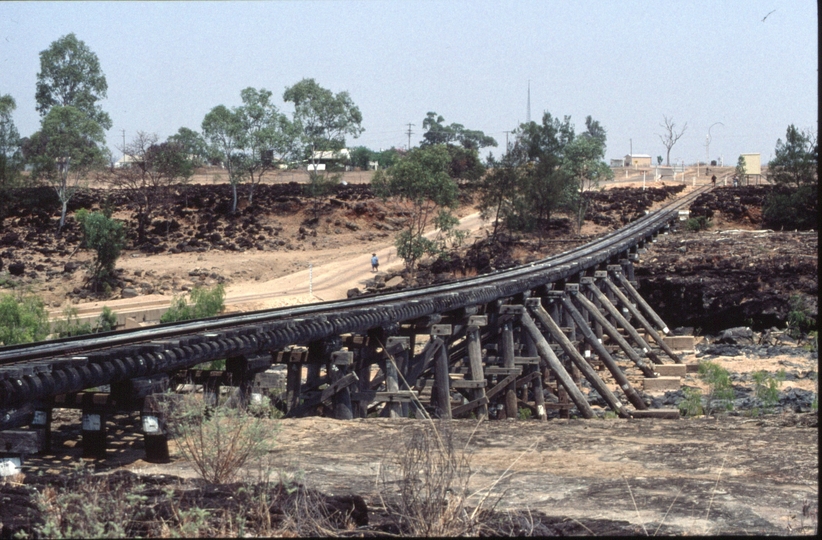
x,y
528,116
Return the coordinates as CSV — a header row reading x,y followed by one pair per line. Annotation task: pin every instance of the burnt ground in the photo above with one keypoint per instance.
x,y
729,475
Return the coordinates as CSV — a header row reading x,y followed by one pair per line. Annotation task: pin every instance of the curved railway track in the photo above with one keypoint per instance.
x,y
32,373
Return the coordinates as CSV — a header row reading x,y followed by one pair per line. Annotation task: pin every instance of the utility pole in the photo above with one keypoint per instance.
x,y
124,142
528,117
506,139
409,135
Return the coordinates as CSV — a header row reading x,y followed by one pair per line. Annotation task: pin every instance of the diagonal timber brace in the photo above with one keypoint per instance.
x,y
588,372
544,350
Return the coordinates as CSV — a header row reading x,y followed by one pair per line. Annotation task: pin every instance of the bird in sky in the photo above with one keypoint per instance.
x,y
768,15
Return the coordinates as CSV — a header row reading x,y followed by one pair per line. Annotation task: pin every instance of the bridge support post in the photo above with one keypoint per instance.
x,y
442,384
396,350
511,408
340,366
472,336
41,421
155,434
94,433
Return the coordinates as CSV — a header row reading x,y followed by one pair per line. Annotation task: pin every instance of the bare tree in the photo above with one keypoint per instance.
x,y
153,169
670,137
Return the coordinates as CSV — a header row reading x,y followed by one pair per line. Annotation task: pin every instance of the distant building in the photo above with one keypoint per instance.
x,y
615,163
637,160
125,162
321,159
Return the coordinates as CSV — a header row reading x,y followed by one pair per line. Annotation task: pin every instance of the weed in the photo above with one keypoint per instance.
x,y
699,223
219,441
721,394
692,404
766,388
524,413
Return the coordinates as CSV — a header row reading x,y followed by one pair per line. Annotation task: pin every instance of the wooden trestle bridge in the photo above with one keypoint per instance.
x,y
485,346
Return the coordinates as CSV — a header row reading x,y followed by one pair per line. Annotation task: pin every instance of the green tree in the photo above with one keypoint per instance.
x,y
499,188
193,145
11,156
70,75
360,156
22,321
11,162
323,119
153,170
463,146
106,237
795,161
795,202
65,150
420,185
202,303
268,138
583,164
740,171
223,130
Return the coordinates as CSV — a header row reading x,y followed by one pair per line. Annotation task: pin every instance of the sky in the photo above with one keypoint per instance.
x,y
740,71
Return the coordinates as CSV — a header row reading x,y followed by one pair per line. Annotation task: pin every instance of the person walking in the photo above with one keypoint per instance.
x,y
375,262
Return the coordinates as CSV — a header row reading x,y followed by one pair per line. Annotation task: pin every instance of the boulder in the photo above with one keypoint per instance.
x,y
17,268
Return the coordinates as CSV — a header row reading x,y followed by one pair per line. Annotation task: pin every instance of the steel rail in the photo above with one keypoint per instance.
x,y
118,356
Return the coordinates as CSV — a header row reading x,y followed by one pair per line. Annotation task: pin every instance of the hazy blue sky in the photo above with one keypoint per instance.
x,y
626,63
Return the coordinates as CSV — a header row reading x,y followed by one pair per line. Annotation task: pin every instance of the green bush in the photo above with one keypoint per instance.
x,y
202,303
792,208
106,237
721,395
766,388
22,321
800,320
692,404
699,223
70,325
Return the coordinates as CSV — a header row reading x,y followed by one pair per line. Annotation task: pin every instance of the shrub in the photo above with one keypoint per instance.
x,y
692,404
203,303
22,321
699,223
800,320
721,394
106,237
766,388
219,441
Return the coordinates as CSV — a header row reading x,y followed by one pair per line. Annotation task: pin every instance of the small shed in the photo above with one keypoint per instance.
x,y
637,160
617,163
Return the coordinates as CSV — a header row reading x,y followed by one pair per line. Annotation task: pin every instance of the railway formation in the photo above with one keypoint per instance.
x,y
489,346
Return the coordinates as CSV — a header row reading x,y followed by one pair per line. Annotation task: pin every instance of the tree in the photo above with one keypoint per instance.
x,y
106,237
22,321
223,130
154,168
70,75
670,137
544,188
267,136
499,188
795,202
740,172
11,157
418,183
203,303
463,145
65,150
583,163
193,145
322,118
795,161
10,154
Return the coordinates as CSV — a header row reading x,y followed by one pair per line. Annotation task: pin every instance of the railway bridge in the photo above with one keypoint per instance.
x,y
535,337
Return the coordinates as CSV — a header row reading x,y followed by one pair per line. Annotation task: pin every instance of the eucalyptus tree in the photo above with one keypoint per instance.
x,y
10,154
420,185
223,132
68,147
463,146
70,75
268,138
192,143
584,167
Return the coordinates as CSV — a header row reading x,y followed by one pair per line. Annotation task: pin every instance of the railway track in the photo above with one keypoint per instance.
x,y
33,374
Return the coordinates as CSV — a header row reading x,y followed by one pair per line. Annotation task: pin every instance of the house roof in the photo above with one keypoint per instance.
x,y
330,154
